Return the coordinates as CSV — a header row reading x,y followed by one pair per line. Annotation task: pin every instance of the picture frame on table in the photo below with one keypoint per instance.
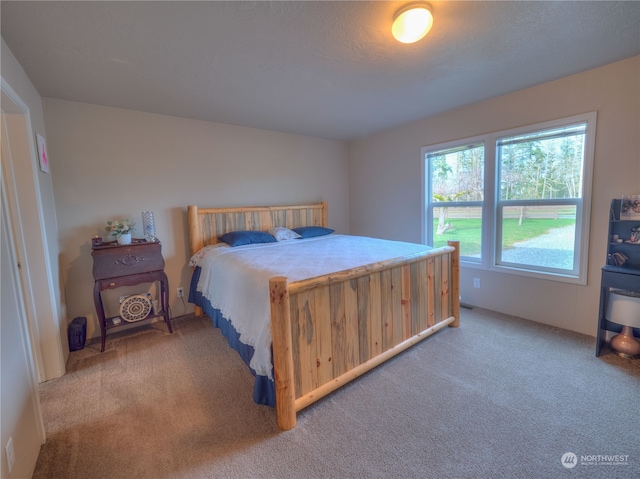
x,y
630,207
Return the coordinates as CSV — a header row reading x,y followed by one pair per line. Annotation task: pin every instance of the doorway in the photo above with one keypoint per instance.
x,y
25,217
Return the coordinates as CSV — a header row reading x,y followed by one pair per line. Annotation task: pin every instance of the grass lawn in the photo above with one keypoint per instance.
x,y
468,232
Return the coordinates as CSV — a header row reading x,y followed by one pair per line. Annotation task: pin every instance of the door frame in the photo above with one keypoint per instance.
x,y
19,298
26,218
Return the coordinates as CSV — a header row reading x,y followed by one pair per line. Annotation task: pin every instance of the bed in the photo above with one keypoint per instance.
x,y
329,329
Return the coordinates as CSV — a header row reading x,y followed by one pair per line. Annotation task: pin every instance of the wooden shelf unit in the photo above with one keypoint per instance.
x,y
624,277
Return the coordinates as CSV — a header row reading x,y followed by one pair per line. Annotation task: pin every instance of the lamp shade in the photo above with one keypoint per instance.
x,y
412,22
623,308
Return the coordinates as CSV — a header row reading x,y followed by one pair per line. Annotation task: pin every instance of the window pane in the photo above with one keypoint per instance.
x,y
539,236
463,224
547,164
457,174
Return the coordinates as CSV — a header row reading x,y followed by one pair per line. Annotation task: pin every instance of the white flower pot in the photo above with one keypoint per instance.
x,y
124,238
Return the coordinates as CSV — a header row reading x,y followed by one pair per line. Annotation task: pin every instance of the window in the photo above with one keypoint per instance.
x,y
534,217
457,195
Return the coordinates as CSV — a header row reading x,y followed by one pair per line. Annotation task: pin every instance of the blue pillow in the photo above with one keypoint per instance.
x,y
239,238
312,231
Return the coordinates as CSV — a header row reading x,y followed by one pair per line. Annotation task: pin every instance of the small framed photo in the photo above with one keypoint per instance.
x,y
42,154
630,207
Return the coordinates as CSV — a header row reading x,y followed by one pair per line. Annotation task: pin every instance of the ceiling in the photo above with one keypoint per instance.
x,y
319,68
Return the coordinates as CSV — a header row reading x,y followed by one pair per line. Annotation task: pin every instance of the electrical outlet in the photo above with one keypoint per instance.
x,y
476,282
180,292
11,455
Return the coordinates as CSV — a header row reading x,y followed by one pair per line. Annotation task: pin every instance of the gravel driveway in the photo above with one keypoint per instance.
x,y
553,249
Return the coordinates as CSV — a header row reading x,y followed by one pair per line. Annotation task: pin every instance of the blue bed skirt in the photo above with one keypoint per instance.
x,y
264,388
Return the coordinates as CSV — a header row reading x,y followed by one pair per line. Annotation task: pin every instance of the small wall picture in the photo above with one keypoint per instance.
x,y
42,154
630,207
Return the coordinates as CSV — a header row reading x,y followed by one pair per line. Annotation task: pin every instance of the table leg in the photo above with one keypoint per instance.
x,y
97,300
164,294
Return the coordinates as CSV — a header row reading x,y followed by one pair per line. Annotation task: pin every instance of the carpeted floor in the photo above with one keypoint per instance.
x,y
499,397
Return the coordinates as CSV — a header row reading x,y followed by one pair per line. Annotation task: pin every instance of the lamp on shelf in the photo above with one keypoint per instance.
x,y
624,308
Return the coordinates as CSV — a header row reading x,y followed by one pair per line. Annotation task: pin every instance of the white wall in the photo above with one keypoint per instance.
x,y
385,191
110,163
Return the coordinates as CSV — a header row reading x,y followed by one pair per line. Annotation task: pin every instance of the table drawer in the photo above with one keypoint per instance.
x,y
124,260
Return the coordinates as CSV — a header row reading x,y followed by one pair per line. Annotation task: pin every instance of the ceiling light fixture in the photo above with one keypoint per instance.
x,y
412,22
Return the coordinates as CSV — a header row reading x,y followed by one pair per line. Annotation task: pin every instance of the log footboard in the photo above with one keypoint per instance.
x,y
331,329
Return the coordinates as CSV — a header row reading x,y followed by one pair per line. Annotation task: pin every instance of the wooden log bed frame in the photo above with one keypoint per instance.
x,y
331,329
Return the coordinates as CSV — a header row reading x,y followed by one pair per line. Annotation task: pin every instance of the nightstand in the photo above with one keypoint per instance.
x,y
115,266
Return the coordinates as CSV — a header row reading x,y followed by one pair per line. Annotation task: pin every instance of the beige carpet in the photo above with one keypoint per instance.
x,y
498,397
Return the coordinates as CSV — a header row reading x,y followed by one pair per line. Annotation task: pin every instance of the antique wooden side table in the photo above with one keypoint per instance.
x,y
115,266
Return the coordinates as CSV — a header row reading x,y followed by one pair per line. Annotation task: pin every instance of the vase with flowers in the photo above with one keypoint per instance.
x,y
121,229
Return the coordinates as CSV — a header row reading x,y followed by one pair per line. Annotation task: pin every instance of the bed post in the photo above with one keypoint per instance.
x,y
455,283
325,215
195,239
282,353
195,234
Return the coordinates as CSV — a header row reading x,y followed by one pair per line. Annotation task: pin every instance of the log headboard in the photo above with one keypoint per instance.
x,y
206,224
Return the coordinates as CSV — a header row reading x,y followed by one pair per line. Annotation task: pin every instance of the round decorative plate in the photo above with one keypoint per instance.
x,y
135,308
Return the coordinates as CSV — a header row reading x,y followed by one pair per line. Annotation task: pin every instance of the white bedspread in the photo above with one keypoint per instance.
x,y
236,280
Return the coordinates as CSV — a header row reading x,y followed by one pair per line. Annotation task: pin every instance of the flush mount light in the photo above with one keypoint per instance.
x,y
412,22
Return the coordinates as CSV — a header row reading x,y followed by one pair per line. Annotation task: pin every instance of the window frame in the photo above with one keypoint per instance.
x,y
427,216
491,208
